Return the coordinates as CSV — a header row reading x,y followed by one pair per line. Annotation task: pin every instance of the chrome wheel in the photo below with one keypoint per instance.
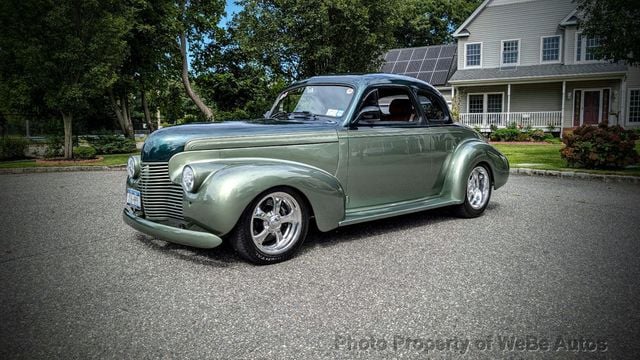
x,y
276,223
478,188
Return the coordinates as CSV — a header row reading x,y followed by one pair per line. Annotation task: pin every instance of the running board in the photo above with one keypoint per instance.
x,y
369,213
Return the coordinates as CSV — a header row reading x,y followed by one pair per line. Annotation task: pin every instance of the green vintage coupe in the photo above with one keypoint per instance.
x,y
333,150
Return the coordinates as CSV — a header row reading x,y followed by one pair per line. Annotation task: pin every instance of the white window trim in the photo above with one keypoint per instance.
x,y
601,90
584,51
627,120
465,56
502,51
485,102
559,50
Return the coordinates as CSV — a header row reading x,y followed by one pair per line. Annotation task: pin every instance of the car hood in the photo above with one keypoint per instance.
x,y
162,144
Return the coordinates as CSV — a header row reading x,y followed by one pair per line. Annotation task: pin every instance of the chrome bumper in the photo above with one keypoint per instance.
x,y
168,233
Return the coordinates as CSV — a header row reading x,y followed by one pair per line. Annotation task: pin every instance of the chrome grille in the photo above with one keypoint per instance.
x,y
161,199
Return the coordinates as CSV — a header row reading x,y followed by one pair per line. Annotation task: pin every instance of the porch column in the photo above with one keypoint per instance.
x,y
623,102
508,104
564,90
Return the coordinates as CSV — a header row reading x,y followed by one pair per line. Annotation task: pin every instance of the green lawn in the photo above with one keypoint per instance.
x,y
533,156
108,160
547,157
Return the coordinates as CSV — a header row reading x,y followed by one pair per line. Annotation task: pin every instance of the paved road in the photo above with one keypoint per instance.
x,y
552,259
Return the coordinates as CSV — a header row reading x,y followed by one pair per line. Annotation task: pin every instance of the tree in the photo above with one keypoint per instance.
x,y
195,23
430,22
615,23
298,39
239,86
64,51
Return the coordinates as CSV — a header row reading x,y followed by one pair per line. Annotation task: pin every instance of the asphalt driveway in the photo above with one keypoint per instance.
x,y
551,270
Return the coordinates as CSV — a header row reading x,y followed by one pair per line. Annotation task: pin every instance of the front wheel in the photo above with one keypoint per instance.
x,y
272,227
478,193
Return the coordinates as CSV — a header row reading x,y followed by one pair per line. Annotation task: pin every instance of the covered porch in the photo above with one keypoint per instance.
x,y
552,103
546,120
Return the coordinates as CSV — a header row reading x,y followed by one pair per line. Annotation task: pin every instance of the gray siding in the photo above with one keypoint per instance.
x,y
536,97
524,20
524,97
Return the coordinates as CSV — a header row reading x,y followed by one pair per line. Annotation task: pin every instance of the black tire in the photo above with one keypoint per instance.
x,y
242,238
470,208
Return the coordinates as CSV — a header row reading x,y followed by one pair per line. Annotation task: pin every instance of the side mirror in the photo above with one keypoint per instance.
x,y
368,114
266,114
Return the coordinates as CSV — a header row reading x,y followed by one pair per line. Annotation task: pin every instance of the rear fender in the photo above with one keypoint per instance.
x,y
467,155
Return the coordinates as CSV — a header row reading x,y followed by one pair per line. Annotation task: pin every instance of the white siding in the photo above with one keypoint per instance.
x,y
524,20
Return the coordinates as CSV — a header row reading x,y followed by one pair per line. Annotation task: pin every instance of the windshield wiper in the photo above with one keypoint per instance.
x,y
303,114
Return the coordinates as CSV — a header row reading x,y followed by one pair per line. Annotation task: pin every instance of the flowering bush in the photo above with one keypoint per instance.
x,y
603,146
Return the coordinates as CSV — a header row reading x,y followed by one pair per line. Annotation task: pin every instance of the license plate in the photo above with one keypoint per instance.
x,y
133,198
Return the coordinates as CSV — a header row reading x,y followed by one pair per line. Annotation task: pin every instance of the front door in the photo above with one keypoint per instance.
x,y
389,158
591,112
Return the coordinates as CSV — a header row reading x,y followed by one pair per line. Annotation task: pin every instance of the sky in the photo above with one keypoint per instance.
x,y
230,8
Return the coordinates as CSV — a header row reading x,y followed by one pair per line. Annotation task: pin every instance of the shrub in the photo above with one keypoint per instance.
x,y
55,147
84,152
600,147
506,134
12,148
112,144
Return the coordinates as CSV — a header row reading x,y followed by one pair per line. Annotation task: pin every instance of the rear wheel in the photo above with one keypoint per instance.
x,y
478,193
272,227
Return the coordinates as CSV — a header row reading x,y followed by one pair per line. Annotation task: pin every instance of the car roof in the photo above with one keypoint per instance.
x,y
365,80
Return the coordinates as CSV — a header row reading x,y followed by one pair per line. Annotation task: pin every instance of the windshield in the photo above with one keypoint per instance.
x,y
311,102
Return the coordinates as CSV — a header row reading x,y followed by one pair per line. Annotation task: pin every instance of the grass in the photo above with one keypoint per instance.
x,y
547,157
108,160
533,156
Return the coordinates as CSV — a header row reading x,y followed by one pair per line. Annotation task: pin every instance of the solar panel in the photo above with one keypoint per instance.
x,y
432,64
405,54
392,56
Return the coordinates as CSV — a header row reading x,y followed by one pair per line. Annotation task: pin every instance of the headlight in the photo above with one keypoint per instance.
x,y
188,179
133,167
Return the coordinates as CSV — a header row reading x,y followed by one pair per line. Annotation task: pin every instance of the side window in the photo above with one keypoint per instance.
x,y
432,108
395,105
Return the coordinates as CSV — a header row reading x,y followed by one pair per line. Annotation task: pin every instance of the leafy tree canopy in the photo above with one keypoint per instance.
x,y
616,23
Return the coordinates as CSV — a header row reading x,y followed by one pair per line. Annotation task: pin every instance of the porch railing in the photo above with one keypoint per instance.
x,y
539,119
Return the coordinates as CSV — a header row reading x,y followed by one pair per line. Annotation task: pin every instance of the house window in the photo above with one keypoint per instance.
x,y
476,103
550,48
473,55
494,103
634,106
586,47
510,50
485,103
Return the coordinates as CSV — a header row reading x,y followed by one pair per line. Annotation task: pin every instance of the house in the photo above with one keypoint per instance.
x,y
433,64
526,61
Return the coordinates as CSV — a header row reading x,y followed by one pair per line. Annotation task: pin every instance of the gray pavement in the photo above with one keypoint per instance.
x,y
553,261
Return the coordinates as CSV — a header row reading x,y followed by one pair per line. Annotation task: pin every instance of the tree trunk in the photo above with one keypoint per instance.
x,y
68,133
145,108
126,110
122,114
185,80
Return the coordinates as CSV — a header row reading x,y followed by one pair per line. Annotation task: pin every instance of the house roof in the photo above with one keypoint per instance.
x,y
433,64
571,19
538,72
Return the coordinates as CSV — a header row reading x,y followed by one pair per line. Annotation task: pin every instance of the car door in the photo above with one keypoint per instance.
x,y
388,154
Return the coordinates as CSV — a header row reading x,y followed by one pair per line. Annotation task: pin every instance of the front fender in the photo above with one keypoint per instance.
x,y
233,184
467,155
